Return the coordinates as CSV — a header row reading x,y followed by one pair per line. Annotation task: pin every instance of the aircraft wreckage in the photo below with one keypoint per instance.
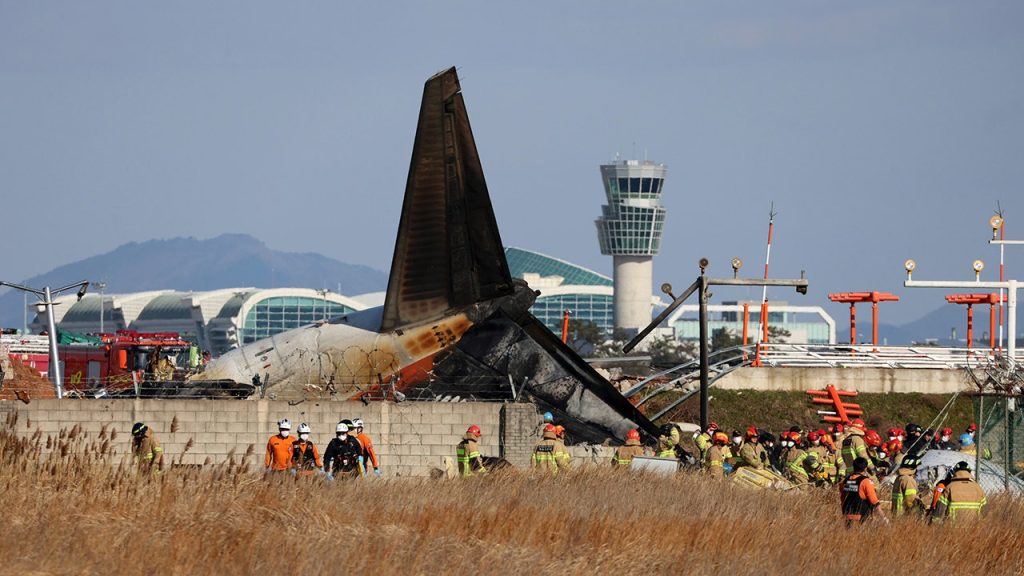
x,y
454,321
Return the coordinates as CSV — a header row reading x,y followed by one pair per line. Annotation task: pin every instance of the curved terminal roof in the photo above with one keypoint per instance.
x,y
522,262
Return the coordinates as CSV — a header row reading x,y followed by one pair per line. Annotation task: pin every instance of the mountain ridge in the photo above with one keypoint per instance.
x,y
186,263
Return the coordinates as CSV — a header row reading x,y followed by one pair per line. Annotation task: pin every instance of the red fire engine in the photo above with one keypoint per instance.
x,y
123,359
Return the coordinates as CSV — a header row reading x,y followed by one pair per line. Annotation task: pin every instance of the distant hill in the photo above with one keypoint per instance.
x,y
227,261
937,325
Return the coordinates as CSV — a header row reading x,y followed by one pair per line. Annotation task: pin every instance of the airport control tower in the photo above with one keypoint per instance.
x,y
629,230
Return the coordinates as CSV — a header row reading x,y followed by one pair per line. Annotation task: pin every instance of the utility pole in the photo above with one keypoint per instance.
x,y
47,296
701,284
101,286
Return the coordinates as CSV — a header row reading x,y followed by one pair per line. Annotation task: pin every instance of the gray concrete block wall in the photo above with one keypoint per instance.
x,y
411,438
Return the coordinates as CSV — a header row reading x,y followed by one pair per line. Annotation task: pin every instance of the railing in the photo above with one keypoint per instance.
x,y
867,356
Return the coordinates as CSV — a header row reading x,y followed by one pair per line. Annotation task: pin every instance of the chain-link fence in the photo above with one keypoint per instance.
x,y
1000,436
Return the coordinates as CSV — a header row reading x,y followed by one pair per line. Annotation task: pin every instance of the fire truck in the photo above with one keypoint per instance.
x,y
124,360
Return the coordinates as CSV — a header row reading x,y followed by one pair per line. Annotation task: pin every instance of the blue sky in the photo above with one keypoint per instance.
x,y
881,131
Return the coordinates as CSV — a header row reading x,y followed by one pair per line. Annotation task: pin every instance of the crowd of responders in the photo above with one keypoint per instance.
x,y
851,457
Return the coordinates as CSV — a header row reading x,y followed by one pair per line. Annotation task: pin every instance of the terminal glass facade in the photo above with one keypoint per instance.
x,y
274,315
596,308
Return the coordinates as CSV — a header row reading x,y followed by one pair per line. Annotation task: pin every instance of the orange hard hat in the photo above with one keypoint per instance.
x,y
559,431
633,434
795,437
474,430
720,438
752,432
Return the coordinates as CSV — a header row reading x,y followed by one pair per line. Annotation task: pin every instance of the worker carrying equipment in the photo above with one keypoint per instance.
x,y
624,454
467,453
962,499
342,459
146,448
857,496
305,457
279,448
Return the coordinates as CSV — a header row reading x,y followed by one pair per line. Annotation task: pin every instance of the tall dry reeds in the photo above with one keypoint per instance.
x,y
80,507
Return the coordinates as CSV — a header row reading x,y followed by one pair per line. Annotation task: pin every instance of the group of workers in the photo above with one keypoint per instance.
x,y
349,454
852,457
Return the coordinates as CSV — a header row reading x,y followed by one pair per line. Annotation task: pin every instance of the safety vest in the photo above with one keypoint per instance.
x,y
854,507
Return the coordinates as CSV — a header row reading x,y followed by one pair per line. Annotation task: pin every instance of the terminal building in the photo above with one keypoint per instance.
x,y
805,324
217,320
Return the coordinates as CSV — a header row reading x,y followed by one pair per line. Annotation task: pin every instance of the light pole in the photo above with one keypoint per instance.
x,y
701,286
48,295
1011,286
101,286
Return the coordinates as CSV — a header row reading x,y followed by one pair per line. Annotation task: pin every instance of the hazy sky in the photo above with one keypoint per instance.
x,y
881,131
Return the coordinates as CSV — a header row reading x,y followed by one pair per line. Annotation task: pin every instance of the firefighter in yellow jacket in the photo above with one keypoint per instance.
x,y
562,456
962,499
544,452
904,489
714,462
146,448
467,453
624,454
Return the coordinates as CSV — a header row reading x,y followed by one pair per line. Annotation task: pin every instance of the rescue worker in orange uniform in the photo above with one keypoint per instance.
x,y
624,454
716,455
904,490
146,448
370,458
279,448
962,500
305,457
467,453
857,497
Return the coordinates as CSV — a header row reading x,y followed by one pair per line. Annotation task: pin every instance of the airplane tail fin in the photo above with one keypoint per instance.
x,y
448,252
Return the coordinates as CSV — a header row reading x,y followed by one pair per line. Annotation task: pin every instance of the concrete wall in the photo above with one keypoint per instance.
x,y
868,380
411,437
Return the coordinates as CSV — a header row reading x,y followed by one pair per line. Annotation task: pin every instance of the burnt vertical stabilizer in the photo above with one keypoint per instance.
x,y
448,252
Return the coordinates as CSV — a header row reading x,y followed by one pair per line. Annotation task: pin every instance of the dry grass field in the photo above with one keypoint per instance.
x,y
82,511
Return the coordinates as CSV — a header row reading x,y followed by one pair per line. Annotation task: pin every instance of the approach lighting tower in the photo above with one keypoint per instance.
x,y
629,230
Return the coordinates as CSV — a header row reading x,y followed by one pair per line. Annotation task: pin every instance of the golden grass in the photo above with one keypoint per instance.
x,y
82,511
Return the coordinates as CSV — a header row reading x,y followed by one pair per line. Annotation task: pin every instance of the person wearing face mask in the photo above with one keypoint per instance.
x,y
341,459
945,441
733,459
279,448
305,457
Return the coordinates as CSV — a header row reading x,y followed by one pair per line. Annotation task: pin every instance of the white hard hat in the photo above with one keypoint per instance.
x,y
304,428
358,423
284,425
342,427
